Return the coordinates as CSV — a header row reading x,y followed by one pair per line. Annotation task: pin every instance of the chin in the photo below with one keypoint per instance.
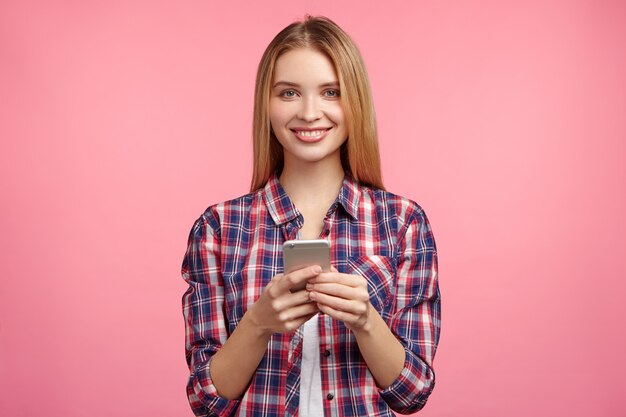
x,y
311,157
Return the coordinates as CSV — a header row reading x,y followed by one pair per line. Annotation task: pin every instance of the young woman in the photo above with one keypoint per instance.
x,y
358,340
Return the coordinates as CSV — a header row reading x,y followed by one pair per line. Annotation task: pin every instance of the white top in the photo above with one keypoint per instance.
x,y
311,403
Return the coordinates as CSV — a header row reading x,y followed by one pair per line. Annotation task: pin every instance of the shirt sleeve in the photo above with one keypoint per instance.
x,y
205,324
417,318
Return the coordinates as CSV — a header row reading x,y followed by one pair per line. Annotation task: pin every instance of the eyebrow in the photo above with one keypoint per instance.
x,y
290,84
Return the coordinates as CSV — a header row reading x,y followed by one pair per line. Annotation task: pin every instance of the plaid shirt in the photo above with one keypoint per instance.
x,y
235,248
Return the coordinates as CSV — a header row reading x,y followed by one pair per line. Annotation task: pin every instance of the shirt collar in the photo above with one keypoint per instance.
x,y
349,196
278,203
283,210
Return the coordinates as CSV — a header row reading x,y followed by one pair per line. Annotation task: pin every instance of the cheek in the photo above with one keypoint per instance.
x,y
278,121
336,115
279,115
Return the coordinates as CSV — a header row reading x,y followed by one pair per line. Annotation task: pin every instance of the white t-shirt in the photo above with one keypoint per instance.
x,y
311,403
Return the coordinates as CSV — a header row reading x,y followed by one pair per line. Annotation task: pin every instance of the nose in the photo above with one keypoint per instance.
x,y
310,109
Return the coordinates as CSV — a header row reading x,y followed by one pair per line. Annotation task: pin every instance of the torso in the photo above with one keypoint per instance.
x,y
243,240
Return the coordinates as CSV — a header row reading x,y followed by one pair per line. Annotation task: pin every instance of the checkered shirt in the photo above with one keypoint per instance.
x,y
234,250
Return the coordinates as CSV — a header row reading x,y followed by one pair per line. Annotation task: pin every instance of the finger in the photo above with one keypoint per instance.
x,y
345,279
298,276
290,299
300,316
337,314
350,306
296,313
294,324
333,269
339,290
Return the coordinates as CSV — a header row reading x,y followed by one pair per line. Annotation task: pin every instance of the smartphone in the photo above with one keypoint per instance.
x,y
299,254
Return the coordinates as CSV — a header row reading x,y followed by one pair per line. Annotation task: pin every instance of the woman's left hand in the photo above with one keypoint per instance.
x,y
343,297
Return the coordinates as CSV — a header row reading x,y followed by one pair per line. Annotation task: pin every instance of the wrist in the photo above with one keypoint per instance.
x,y
368,327
250,321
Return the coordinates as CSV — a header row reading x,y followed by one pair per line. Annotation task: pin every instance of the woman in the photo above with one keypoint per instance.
x,y
358,340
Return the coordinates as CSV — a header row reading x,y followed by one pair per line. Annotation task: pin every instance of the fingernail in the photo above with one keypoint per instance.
x,y
309,287
312,295
317,269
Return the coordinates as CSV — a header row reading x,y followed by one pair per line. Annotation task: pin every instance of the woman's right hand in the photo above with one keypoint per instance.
x,y
278,310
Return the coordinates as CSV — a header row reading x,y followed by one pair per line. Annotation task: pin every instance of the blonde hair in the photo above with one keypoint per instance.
x,y
359,154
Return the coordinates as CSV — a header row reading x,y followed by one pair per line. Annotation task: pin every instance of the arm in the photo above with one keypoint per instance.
x,y
205,324
276,311
345,297
222,365
417,320
382,352
400,355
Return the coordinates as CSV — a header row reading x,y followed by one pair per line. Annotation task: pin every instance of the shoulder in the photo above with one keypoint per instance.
x,y
403,217
404,210
218,214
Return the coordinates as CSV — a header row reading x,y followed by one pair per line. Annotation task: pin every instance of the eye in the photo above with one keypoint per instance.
x,y
287,93
332,93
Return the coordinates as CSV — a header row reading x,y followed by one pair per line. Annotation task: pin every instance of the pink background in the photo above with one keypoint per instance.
x,y
122,121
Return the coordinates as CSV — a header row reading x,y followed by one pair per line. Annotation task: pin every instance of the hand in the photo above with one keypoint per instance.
x,y
343,297
278,310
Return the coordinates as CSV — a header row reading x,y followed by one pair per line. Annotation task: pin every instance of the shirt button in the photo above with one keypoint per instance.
x,y
330,396
327,353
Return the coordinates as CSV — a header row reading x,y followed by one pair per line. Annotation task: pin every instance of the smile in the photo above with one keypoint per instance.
x,y
310,135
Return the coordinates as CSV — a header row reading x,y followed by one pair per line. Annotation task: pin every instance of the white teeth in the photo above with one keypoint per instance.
x,y
310,133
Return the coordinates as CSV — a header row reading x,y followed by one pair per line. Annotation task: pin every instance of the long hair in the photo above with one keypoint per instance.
x,y
359,154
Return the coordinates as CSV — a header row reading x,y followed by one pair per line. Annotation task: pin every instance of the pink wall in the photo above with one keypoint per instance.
x,y
121,121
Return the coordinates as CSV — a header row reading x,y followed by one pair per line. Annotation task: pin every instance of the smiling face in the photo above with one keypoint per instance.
x,y
305,108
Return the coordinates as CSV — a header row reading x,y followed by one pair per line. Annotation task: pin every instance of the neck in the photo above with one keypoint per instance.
x,y
312,184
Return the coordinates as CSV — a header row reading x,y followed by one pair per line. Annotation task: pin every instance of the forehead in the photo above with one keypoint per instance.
x,y
304,66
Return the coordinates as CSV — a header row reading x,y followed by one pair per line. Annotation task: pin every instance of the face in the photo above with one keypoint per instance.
x,y
305,107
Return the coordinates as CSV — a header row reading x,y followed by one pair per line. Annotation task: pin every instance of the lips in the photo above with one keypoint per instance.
x,y
311,134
